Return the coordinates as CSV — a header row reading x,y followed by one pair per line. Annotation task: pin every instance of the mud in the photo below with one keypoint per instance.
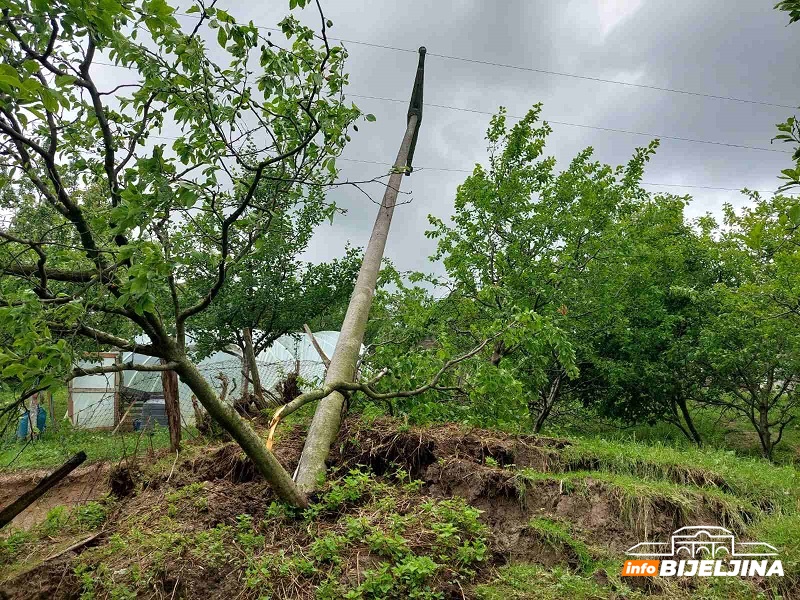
x,y
80,486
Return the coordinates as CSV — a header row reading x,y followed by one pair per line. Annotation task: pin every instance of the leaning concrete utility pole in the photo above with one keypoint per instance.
x,y
328,417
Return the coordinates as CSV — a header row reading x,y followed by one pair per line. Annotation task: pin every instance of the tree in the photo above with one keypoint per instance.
x,y
126,260
527,240
792,7
271,292
645,367
752,345
790,130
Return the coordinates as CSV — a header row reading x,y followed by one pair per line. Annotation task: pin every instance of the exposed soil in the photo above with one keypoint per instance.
x,y
450,460
82,485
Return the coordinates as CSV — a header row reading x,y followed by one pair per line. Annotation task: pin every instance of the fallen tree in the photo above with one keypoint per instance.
x,y
119,240
40,489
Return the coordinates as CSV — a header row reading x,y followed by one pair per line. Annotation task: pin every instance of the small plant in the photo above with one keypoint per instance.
x,y
389,545
56,520
558,536
328,547
280,510
90,515
414,571
246,535
12,545
357,527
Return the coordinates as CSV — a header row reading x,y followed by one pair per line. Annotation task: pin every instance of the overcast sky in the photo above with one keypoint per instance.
x,y
739,48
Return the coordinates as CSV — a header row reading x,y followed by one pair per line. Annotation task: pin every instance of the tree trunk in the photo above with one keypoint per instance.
x,y
245,373
252,367
764,435
31,496
243,434
328,417
548,401
687,417
497,353
172,405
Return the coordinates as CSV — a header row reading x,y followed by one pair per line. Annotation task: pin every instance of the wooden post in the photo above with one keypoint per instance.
x,y
29,497
328,416
33,416
52,408
172,405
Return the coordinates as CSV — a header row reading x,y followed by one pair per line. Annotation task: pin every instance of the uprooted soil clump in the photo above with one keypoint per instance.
x,y
440,512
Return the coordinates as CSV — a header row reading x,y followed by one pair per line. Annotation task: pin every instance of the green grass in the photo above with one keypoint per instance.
x,y
753,479
732,433
53,448
783,532
534,582
639,498
559,537
60,440
356,521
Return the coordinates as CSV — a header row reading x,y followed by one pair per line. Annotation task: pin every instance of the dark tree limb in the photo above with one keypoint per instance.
x,y
31,496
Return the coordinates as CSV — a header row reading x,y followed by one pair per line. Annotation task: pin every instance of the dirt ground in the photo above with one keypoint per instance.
x,y
80,486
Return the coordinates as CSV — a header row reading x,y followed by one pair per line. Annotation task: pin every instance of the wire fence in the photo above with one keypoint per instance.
x,y
128,415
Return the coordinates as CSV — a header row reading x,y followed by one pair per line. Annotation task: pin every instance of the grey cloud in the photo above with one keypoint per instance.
x,y
726,47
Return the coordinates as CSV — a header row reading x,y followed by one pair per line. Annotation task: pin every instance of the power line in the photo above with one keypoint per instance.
x,y
565,123
596,127
467,171
678,185
623,83
547,71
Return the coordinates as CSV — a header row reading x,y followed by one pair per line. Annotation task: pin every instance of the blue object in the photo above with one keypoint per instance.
x,y
41,423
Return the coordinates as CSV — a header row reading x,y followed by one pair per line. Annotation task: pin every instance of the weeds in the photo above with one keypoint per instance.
x,y
406,553
557,535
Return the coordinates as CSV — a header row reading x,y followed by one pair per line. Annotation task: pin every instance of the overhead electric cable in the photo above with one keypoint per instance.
x,y
549,71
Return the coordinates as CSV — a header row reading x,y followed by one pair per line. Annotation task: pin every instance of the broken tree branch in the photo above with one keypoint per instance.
x,y
41,488
326,361
368,389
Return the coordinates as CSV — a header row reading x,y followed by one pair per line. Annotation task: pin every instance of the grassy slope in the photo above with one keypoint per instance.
x,y
763,499
406,553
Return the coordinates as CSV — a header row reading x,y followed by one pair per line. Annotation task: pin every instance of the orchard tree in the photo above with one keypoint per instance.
x,y
645,367
790,130
272,292
752,345
525,239
129,215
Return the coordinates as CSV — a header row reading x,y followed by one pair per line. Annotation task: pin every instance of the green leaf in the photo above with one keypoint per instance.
x,y
49,100
369,117
794,213
222,37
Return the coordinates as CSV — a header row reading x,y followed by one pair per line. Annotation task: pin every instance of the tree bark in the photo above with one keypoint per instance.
x,y
763,428
252,368
172,405
687,417
328,417
31,496
243,434
548,401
